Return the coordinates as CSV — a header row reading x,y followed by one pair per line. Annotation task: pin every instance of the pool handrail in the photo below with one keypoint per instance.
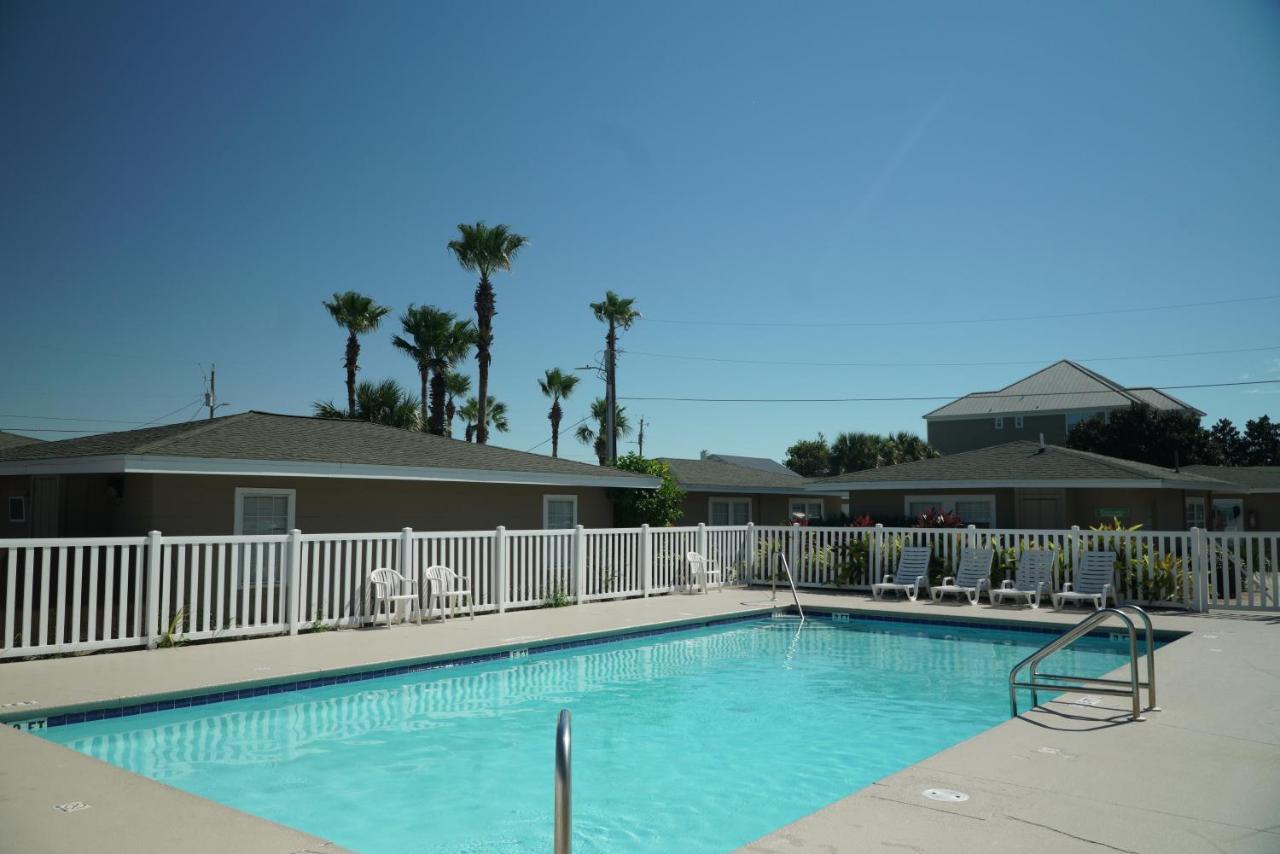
x,y
564,784
791,579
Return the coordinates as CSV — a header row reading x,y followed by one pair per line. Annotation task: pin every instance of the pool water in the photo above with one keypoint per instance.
x,y
693,741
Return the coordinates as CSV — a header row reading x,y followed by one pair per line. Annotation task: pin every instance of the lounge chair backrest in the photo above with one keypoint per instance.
x,y
1035,567
386,582
441,575
913,564
694,558
1096,570
975,567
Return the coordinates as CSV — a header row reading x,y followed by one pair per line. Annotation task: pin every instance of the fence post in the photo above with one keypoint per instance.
x,y
752,546
877,554
793,549
500,569
972,538
406,568
1073,539
293,584
646,560
1199,570
579,564
151,627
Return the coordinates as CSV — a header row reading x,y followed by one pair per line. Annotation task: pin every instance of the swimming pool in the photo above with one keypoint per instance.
x,y
697,741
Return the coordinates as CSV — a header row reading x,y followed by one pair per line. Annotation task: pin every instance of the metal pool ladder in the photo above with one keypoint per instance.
x,y
783,560
564,784
1060,682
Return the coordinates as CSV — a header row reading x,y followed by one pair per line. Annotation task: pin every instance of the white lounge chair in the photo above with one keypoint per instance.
x,y
388,589
911,576
446,586
703,569
1032,579
972,577
1094,582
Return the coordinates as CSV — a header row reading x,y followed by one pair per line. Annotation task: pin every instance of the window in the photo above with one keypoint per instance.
x,y
264,511
559,512
976,510
1195,512
729,511
1000,423
17,508
1018,422
809,507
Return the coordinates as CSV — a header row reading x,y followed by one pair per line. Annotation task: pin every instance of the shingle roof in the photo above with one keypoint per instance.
x,y
1062,386
291,438
760,463
1020,462
13,440
1249,477
701,475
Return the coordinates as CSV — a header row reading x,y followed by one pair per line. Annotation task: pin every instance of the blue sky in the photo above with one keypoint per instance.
x,y
184,184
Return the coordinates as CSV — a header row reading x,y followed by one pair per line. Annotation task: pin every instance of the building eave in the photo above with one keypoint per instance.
x,y
1093,483
722,489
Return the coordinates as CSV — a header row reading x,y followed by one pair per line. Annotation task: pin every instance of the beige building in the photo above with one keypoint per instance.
x,y
730,490
1029,486
258,473
1046,404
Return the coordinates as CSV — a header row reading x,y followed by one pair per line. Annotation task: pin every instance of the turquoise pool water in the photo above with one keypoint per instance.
x,y
695,741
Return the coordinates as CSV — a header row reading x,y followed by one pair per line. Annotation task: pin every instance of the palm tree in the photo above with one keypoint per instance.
x,y
456,386
557,385
857,451
495,413
359,315
383,402
596,437
485,250
618,313
907,447
437,341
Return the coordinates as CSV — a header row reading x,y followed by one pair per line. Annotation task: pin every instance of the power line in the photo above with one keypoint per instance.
x,y
563,431
59,418
972,320
136,424
198,400
931,396
787,363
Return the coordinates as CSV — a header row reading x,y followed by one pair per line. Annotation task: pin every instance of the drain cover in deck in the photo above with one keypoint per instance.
x,y
948,795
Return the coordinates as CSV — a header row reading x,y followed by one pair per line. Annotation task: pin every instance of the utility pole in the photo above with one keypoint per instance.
x,y
642,435
211,391
610,397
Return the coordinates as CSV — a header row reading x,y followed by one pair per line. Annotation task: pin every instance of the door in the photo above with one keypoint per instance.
x,y
45,507
1040,511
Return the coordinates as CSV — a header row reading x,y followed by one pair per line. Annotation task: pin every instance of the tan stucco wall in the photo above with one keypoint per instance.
x,y
14,485
766,509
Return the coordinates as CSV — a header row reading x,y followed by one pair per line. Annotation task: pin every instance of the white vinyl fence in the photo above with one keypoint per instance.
x,y
74,595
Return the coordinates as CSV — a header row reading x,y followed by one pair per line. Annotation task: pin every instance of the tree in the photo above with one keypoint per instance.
x,y
858,451
1262,442
810,457
437,342
359,315
596,436
904,447
485,250
1146,435
1226,446
383,402
618,313
659,507
495,414
557,385
456,387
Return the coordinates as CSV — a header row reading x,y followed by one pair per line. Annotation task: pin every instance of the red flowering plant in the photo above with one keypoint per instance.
x,y
935,518
863,521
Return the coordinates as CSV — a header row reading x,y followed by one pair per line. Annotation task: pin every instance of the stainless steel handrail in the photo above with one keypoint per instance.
x,y
1093,684
564,784
791,579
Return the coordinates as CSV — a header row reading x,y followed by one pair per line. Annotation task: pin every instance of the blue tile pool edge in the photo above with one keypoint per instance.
x,y
107,711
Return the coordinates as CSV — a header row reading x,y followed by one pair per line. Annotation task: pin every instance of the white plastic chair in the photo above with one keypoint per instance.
x,y
972,577
1032,579
1094,582
703,569
446,586
911,575
387,587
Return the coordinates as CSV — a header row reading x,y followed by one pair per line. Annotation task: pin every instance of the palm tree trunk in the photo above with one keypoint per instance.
x,y
353,357
450,410
422,398
556,415
437,403
471,431
485,310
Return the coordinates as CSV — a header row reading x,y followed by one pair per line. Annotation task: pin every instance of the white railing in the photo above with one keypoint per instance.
x,y
75,595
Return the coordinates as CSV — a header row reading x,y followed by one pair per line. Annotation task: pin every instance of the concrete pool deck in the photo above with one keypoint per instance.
x,y
1204,774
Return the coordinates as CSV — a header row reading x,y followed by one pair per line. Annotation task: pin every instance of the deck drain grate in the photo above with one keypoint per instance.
x,y
946,795
73,806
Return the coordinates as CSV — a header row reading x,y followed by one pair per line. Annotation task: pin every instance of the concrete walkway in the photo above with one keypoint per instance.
x,y
1202,775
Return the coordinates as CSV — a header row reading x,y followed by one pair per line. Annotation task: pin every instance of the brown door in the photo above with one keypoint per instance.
x,y
1040,512
45,507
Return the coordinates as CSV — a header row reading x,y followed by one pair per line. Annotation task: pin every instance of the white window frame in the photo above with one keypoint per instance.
x,y
242,491
1193,501
999,422
22,509
1019,422
947,503
731,501
791,510
546,511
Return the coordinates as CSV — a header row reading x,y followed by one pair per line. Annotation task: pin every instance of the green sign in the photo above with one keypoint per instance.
x,y
1112,512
